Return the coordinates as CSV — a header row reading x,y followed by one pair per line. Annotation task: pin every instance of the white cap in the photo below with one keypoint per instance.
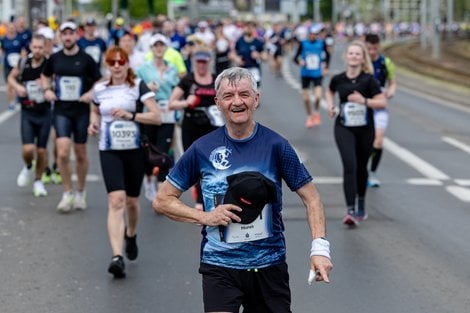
x,y
202,24
68,25
47,32
158,38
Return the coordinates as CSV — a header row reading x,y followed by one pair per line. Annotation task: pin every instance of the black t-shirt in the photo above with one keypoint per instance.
x,y
206,92
74,75
29,77
365,84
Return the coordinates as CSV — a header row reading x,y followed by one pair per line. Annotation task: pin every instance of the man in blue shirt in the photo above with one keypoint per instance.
x,y
243,259
311,57
90,43
249,51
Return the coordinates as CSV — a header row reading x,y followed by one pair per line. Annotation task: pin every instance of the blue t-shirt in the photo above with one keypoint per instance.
x,y
313,54
215,156
178,41
95,48
244,50
12,50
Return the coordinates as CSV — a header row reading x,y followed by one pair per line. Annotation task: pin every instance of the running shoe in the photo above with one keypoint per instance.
x,y
25,177
66,203
117,267
373,181
46,177
132,251
12,106
350,220
79,201
309,121
316,120
361,215
150,191
38,189
56,177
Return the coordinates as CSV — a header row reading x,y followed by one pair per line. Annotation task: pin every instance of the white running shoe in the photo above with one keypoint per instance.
x,y
38,189
150,190
373,181
66,203
79,202
25,177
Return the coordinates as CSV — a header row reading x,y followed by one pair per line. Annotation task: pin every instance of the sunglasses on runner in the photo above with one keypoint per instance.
x,y
121,62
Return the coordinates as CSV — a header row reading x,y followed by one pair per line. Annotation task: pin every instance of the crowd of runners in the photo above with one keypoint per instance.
x,y
133,83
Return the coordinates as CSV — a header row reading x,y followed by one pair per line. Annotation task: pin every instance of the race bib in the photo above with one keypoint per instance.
x,y
13,59
122,135
70,88
94,52
312,62
215,116
256,73
168,116
259,229
35,92
354,114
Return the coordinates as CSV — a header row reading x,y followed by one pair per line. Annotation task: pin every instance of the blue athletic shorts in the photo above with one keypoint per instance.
x,y
77,125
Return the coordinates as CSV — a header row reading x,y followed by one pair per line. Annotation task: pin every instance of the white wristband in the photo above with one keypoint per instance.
x,y
321,247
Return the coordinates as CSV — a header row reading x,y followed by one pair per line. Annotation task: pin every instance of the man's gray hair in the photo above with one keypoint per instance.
x,y
234,75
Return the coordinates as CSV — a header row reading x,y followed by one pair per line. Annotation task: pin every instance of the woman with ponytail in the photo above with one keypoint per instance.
x,y
359,93
116,117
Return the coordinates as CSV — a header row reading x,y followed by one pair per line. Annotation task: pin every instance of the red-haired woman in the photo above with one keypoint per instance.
x,y
118,111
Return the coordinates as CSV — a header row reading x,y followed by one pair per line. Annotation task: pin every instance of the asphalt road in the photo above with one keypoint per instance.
x,y
412,255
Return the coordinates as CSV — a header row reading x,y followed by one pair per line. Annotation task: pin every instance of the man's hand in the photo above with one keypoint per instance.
x,y
21,91
320,268
222,215
87,97
50,95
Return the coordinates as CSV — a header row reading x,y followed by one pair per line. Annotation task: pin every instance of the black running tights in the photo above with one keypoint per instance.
x,y
355,146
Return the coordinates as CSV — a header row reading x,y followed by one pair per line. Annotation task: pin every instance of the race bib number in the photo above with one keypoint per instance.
x,y
312,62
256,73
13,59
215,116
70,88
122,135
168,116
94,52
259,229
35,92
354,114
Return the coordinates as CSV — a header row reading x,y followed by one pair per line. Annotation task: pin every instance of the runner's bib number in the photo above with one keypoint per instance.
x,y
354,114
312,62
35,92
259,229
168,116
94,52
122,135
70,88
256,73
13,59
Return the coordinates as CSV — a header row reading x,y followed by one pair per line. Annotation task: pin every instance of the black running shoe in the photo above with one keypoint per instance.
x,y
132,251
117,267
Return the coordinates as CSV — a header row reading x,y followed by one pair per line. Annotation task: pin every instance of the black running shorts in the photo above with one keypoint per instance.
x,y
307,81
264,290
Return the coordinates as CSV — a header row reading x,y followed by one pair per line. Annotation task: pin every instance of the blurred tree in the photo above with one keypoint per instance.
x,y
138,9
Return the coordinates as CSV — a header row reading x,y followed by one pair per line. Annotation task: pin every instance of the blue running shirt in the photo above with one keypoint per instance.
x,y
215,156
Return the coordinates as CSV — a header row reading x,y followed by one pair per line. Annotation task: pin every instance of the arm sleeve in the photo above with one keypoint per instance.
x,y
48,68
185,173
390,69
144,91
293,170
327,55
297,54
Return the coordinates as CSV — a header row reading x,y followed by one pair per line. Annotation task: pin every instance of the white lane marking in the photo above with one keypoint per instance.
x,y
460,192
7,114
463,182
327,180
178,148
414,161
3,88
424,182
456,143
442,102
89,177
